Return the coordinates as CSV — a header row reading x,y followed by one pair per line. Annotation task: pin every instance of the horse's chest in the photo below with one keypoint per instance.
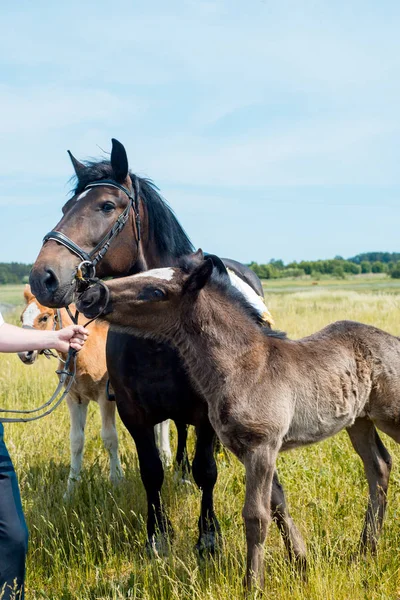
x,y
150,381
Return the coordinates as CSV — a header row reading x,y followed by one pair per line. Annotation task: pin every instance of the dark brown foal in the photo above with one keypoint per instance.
x,y
266,393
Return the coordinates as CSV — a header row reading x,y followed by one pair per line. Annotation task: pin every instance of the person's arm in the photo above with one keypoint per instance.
x,y
15,339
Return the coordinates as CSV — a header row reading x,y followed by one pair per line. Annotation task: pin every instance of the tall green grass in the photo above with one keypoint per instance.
x,y
93,546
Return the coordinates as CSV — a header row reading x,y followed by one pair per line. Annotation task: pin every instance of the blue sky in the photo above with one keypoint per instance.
x,y
272,128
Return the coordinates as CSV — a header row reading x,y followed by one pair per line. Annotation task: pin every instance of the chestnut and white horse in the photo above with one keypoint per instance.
x,y
90,384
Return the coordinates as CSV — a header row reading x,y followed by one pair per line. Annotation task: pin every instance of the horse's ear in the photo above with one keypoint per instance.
x,y
27,293
78,166
198,255
198,278
119,161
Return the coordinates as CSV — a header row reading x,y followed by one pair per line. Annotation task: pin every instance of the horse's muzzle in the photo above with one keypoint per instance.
x,y
93,301
28,358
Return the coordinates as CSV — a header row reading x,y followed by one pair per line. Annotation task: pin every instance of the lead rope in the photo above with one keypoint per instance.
x,y
62,373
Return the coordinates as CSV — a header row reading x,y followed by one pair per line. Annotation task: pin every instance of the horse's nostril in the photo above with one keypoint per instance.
x,y
90,298
50,281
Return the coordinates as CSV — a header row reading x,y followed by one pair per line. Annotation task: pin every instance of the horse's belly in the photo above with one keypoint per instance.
x,y
308,429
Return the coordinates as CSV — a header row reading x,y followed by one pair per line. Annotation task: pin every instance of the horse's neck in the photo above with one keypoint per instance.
x,y
150,255
221,346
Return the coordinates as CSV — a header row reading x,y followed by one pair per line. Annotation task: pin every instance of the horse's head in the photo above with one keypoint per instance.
x,y
153,303
34,316
88,217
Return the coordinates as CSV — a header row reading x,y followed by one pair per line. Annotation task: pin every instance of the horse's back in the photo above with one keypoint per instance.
x,y
246,274
375,360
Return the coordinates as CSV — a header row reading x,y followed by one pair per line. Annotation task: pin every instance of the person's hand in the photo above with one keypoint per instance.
x,y
73,336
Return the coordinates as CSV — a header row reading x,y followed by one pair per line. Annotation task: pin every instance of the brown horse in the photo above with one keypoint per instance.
x,y
120,223
266,393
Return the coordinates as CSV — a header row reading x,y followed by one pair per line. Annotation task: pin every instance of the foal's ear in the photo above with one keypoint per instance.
x,y
78,166
199,277
119,161
27,293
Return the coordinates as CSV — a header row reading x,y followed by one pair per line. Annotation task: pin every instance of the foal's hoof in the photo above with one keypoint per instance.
x,y
158,546
207,544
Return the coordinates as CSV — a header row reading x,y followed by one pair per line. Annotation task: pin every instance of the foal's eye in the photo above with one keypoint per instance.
x,y
108,207
150,293
44,319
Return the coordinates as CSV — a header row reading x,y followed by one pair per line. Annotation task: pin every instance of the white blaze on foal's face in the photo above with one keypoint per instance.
x,y
164,274
30,313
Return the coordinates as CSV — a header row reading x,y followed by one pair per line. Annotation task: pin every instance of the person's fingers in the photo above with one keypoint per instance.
x,y
76,346
79,336
80,329
77,340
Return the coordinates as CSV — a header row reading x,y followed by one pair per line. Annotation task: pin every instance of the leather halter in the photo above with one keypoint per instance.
x,y
93,257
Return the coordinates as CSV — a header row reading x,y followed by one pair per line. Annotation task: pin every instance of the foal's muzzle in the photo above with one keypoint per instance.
x,y
93,301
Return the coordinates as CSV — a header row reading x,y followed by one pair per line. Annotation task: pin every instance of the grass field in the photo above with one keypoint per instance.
x,y
92,547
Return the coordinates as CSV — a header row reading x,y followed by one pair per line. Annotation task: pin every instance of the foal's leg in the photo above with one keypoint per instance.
x,y
293,541
110,437
161,431
377,465
159,528
78,414
260,466
204,471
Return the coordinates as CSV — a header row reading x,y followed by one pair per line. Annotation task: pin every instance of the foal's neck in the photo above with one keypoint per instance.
x,y
218,342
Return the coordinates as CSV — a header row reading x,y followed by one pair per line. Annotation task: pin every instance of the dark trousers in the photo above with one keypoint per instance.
x,y
13,530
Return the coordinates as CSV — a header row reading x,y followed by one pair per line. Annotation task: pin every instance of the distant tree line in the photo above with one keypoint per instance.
x,y
369,262
14,272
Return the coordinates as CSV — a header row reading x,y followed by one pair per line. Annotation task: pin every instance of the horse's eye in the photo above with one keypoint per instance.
x,y
108,207
150,293
44,319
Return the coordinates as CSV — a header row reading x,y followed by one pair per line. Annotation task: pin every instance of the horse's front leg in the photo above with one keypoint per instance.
x,y
109,436
159,528
260,467
204,471
161,431
291,536
78,414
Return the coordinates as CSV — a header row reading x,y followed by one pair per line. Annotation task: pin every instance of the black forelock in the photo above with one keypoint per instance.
x,y
164,228
222,282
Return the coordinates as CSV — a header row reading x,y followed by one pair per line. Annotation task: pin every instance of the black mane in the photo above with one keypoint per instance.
x,y
222,283
164,228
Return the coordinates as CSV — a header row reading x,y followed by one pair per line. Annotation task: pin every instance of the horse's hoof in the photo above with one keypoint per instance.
x,y
159,546
207,544
180,479
117,478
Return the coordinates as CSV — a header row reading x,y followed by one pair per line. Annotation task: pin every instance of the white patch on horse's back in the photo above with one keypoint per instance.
x,y
251,296
165,273
85,193
30,313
